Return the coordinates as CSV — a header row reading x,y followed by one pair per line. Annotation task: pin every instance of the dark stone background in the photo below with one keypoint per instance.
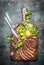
x,y
13,7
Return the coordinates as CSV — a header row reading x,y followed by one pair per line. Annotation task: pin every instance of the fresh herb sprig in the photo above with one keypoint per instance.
x,y
9,38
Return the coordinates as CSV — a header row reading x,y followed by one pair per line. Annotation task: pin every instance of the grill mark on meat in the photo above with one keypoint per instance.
x,y
31,48
26,49
28,56
22,55
29,53
25,55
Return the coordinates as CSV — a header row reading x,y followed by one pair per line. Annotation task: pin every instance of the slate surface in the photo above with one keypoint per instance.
x,y
14,10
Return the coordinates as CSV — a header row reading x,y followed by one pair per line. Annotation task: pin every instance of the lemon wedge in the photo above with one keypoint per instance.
x,y
28,33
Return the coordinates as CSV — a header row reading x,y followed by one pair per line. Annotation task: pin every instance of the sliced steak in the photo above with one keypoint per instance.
x,y
27,53
24,51
23,57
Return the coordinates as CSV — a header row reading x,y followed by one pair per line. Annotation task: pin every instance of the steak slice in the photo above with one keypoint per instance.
x,y
22,55
25,50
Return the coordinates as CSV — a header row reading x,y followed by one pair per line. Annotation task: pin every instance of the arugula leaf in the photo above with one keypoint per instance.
x,y
9,38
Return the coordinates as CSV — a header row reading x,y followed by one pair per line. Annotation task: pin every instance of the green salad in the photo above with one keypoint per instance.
x,y
25,30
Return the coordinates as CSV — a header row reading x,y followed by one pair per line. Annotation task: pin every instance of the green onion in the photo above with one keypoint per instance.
x,y
9,38
35,31
27,20
20,44
27,27
28,17
24,37
21,34
27,13
24,23
30,25
15,46
30,12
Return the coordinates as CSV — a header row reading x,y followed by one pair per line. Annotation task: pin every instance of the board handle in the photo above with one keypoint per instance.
x,y
23,14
